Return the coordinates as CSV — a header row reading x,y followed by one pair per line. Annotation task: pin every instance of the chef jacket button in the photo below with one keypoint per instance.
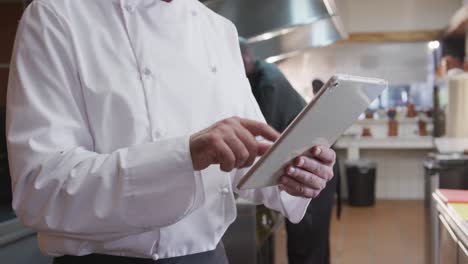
x,y
214,69
129,8
194,13
224,190
155,256
156,134
147,71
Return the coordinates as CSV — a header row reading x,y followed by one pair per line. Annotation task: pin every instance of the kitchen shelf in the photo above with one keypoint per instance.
x,y
385,143
384,121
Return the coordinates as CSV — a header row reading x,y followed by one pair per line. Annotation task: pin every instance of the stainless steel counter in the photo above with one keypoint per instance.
x,y
452,235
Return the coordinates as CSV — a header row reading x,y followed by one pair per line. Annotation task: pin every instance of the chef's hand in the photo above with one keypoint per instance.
x,y
230,143
308,175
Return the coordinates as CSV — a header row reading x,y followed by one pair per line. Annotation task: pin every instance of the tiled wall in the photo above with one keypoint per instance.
x,y
400,174
10,13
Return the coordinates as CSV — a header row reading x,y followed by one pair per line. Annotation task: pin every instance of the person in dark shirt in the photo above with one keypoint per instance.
x,y
278,100
280,103
317,84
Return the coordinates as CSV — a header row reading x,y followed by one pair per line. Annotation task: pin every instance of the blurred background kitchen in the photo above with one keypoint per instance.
x,y
410,143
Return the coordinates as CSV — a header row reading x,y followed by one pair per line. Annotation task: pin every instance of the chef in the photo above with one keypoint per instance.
x,y
129,124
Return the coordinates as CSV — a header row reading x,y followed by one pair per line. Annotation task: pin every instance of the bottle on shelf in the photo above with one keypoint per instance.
x,y
392,123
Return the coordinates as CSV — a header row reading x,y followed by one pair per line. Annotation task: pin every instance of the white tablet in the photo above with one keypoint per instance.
x,y
335,108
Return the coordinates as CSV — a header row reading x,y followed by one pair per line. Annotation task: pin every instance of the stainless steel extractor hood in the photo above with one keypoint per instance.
x,y
321,33
280,28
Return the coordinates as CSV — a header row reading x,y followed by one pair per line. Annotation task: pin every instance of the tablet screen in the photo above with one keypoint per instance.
x,y
335,108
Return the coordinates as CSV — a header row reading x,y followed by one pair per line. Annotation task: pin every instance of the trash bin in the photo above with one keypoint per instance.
x,y
360,175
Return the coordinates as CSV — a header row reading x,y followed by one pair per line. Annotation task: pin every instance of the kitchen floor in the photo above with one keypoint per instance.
x,y
391,232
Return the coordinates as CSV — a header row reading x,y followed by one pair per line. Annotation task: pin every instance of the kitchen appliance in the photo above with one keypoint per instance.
x,y
446,171
250,239
277,29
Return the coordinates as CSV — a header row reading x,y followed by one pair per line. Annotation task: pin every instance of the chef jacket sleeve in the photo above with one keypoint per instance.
x,y
292,207
60,184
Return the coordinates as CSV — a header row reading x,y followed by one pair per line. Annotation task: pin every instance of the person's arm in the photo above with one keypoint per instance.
x,y
60,184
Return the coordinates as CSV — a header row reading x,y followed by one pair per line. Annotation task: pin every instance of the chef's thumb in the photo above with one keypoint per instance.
x,y
263,148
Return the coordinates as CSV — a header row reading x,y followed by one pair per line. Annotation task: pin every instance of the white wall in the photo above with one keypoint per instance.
x,y
396,15
399,63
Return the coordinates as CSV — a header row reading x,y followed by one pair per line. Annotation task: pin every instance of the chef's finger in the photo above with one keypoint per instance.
x,y
260,129
306,178
224,156
314,166
238,149
250,144
323,153
295,188
262,148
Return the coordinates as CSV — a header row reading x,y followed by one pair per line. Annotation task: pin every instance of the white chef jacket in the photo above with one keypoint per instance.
x,y
103,96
